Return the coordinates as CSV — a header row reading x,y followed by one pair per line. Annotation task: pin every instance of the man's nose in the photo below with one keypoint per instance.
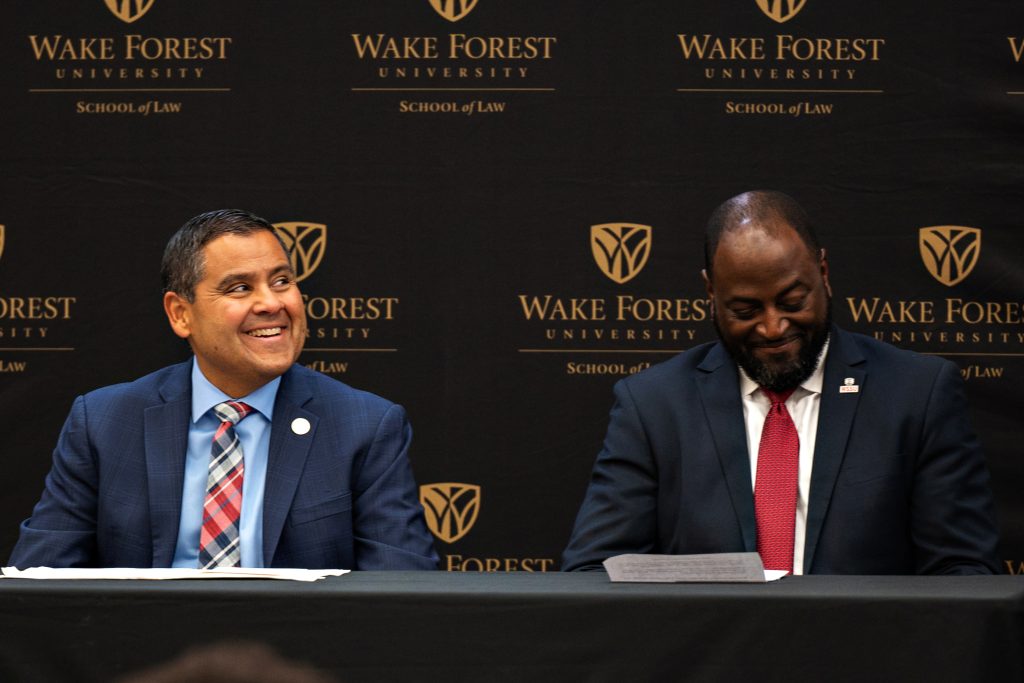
x,y
773,324
267,300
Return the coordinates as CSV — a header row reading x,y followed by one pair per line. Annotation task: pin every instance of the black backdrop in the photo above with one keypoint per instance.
x,y
453,170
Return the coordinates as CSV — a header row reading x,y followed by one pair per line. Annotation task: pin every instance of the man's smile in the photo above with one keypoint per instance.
x,y
265,332
778,345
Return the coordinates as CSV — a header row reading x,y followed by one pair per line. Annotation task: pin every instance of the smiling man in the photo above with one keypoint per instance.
x,y
239,456
825,451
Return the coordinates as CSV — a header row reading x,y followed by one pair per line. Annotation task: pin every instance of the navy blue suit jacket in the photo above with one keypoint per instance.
x,y
898,486
340,496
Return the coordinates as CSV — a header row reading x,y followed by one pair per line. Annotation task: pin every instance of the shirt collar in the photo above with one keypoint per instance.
x,y
812,384
206,396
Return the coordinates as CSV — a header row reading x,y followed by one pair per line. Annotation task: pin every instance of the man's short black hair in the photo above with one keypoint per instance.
x,y
183,263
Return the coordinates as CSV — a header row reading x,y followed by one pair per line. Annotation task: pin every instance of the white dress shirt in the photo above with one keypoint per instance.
x,y
803,406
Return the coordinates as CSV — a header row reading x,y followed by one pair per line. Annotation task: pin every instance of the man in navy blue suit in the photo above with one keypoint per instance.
x,y
890,478
326,481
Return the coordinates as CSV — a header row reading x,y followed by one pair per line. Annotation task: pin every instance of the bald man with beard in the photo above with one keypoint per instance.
x,y
888,474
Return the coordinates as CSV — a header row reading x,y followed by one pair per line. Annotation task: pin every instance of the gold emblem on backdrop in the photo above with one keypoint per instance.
x,y
781,10
949,252
1,241
620,250
453,10
129,10
450,508
306,243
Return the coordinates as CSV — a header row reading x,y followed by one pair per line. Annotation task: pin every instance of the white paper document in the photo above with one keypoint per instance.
x,y
164,574
718,567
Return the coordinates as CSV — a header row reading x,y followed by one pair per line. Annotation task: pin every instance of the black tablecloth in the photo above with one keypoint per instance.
x,y
436,626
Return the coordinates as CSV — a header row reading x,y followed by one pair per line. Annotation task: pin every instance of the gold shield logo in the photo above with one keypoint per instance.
x,y
453,10
306,243
781,10
620,249
949,252
451,509
129,10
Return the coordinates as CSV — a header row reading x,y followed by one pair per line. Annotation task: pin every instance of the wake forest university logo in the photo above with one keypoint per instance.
x,y
450,508
306,243
129,10
620,250
949,252
781,10
957,323
31,322
452,10
104,73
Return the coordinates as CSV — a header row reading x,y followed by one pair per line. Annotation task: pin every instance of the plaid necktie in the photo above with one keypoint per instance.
x,y
775,488
218,539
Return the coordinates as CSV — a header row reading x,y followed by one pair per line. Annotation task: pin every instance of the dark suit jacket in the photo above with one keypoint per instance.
x,y
899,484
340,496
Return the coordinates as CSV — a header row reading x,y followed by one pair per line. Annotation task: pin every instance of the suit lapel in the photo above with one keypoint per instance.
x,y
286,458
718,384
835,419
166,442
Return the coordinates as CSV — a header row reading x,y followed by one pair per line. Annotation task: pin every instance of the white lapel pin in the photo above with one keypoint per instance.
x,y
849,387
300,426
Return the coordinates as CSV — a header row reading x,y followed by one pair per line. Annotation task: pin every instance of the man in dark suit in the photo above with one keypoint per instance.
x,y
885,475
238,457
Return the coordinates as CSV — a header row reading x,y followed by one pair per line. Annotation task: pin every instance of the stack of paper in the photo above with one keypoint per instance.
x,y
163,574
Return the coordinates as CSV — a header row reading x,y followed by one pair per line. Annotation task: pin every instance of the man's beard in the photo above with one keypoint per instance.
x,y
782,377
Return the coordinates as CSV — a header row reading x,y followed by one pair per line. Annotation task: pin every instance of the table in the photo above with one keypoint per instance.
x,y
437,626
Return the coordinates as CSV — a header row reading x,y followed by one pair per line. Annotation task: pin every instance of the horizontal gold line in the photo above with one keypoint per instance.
x,y
453,90
104,90
353,350
927,353
968,353
601,350
39,348
774,90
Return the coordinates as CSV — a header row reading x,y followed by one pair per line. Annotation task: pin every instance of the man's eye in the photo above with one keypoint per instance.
x,y
238,289
743,313
282,281
792,306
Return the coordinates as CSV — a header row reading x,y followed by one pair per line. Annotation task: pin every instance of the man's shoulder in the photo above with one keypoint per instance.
x,y
332,392
878,352
173,379
674,372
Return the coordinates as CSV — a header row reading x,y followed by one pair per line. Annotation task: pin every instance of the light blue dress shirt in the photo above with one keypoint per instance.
x,y
254,434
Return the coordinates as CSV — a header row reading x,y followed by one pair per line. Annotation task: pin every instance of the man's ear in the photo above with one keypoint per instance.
x,y
824,273
710,289
179,314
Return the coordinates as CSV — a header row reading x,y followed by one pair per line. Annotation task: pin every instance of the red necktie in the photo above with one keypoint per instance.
x,y
222,509
775,488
